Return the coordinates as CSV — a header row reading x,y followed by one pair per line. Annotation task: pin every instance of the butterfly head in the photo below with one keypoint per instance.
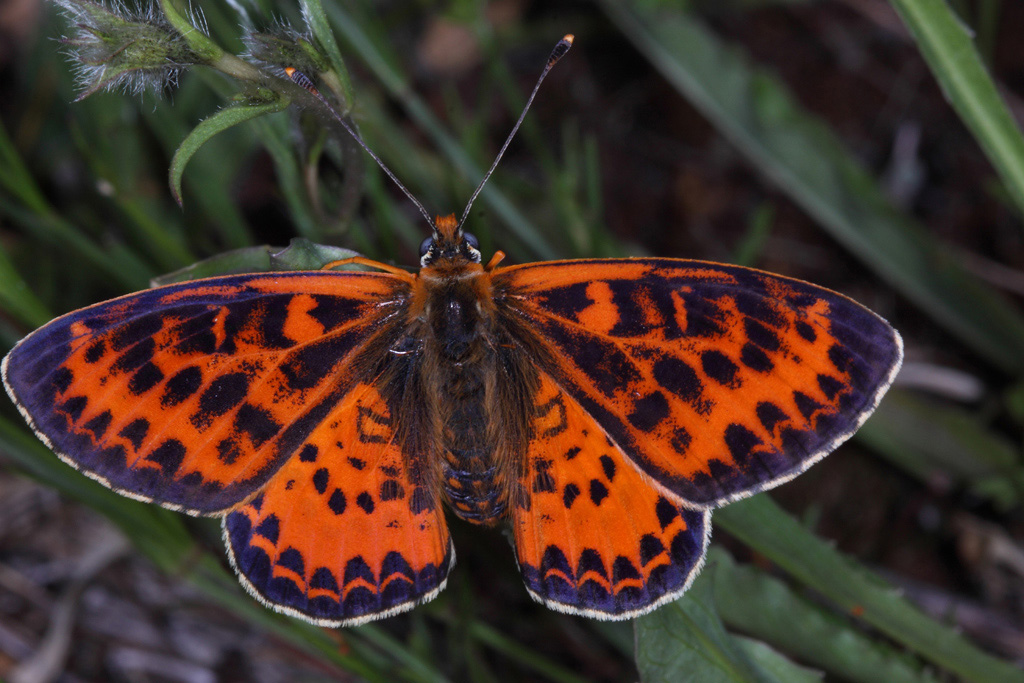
x,y
449,242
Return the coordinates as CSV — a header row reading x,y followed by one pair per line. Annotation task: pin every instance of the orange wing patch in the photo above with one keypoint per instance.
x,y
347,531
593,535
716,381
193,395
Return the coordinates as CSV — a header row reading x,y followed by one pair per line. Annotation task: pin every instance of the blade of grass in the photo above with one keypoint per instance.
x,y
764,526
948,47
759,605
755,112
924,438
686,640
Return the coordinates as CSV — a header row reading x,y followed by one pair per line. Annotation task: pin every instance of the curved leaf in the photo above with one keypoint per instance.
x,y
221,121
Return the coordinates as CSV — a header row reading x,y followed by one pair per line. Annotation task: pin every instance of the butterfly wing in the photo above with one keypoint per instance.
x,y
593,536
715,381
346,531
193,395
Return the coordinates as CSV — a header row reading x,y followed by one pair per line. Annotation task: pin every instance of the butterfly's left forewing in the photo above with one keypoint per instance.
x,y
193,395
714,381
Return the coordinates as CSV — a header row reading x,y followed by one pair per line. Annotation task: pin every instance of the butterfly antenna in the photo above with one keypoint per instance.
x,y
301,80
560,49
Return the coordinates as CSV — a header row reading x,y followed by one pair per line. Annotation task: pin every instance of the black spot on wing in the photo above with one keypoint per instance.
x,y
567,302
337,502
320,478
830,386
631,299
135,357
649,411
678,377
257,422
223,394
308,453
61,379
145,378
307,366
761,335
755,359
269,528
334,311
96,351
805,404
99,424
569,494
650,547
74,407
134,331
665,511
608,465
182,385
770,415
291,558
168,455
135,431
323,579
720,368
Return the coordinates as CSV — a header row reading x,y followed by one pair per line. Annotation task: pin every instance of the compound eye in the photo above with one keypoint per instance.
x,y
472,240
425,246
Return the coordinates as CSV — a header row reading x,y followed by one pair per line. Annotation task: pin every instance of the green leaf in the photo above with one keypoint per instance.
x,y
764,526
754,111
686,641
221,121
774,663
926,438
766,608
300,254
949,49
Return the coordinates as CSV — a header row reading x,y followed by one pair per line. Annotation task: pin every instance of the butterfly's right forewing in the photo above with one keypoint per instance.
x,y
715,381
193,395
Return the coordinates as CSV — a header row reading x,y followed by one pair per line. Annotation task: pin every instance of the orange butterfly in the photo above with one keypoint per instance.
x,y
603,407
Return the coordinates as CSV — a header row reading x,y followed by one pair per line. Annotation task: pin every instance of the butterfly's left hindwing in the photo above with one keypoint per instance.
x,y
350,529
715,381
193,395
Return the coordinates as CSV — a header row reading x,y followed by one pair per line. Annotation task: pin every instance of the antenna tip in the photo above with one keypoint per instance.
x,y
563,46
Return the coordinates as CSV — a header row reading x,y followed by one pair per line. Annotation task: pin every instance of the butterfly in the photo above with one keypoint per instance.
x,y
600,407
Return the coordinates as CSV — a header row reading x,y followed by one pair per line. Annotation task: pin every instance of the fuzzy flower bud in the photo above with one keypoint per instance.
x,y
119,48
